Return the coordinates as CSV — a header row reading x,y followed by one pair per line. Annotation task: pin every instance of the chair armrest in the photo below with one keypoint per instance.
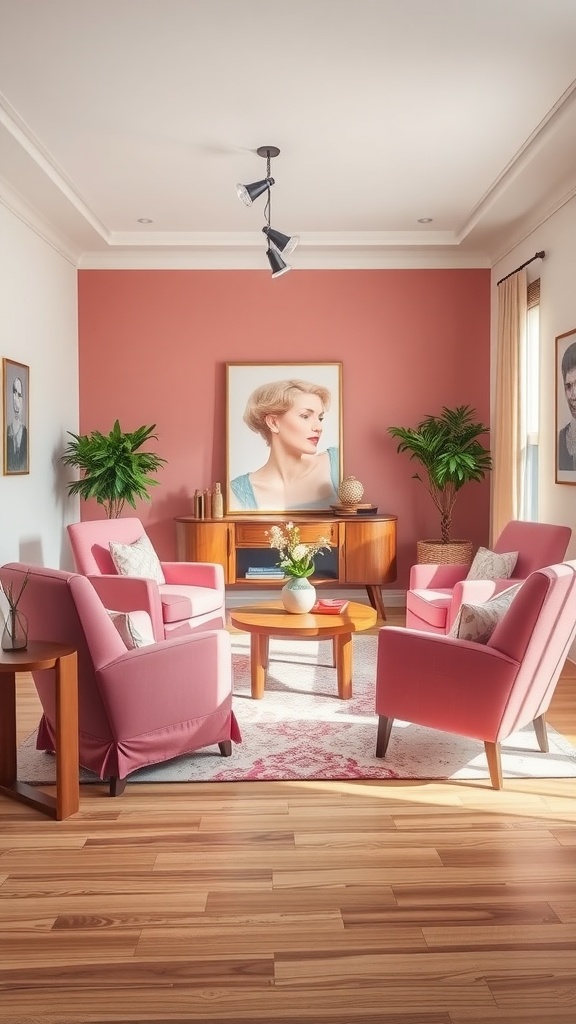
x,y
475,592
195,574
442,682
175,680
423,576
129,594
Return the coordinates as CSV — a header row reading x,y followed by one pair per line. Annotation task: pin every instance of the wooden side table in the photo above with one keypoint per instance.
x,y
63,660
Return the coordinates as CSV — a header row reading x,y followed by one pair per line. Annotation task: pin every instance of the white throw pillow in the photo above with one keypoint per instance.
x,y
488,565
477,622
137,559
135,628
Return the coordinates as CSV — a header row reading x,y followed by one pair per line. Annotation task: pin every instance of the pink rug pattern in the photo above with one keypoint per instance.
x,y
302,731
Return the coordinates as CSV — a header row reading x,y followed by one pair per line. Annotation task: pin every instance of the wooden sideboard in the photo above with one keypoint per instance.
x,y
362,548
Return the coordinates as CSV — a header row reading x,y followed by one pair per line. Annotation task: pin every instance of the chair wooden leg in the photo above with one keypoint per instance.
x,y
225,748
117,786
494,764
541,733
383,736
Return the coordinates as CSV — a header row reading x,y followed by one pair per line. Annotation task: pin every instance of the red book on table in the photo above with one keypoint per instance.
x,y
329,606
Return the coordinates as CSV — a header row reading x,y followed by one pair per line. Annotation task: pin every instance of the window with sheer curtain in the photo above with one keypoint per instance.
x,y
530,402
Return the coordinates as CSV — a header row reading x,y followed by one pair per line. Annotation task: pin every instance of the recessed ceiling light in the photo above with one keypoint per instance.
x,y
424,220
145,220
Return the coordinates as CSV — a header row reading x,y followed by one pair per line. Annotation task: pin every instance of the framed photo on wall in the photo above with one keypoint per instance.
x,y
566,408
16,383
283,437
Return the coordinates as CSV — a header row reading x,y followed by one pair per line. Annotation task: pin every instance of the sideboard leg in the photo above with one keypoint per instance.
x,y
375,598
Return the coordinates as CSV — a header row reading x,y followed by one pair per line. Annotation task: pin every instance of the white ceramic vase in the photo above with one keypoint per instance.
x,y
298,595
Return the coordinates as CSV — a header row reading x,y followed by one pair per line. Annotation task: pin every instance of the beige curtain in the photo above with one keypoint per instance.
x,y
508,429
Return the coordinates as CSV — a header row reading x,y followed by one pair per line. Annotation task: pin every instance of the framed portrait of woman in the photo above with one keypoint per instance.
x,y
15,386
565,460
283,437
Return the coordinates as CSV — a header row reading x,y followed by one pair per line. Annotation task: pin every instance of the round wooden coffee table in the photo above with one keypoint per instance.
x,y
270,619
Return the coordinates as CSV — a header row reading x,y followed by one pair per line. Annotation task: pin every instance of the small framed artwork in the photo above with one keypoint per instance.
x,y
16,390
565,460
283,437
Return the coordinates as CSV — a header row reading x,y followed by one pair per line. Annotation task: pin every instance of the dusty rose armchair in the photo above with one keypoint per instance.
x,y
136,707
436,592
483,691
191,598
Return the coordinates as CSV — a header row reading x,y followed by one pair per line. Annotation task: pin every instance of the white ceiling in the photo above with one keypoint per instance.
x,y
385,111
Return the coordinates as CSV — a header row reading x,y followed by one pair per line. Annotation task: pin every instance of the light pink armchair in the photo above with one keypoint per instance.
x,y
136,707
484,692
436,592
192,598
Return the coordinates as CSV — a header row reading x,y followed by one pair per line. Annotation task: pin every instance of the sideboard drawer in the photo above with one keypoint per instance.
x,y
255,535
252,535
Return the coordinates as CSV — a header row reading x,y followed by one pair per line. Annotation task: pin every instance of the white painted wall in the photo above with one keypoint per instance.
x,y
39,327
557,502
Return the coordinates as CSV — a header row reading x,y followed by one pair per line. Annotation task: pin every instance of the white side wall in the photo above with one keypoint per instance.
x,y
39,327
557,502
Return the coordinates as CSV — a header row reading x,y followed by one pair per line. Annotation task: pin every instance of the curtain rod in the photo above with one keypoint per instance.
x,y
538,256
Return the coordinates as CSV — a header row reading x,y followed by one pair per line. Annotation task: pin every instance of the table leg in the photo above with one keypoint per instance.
x,y
376,600
8,755
258,664
67,755
343,646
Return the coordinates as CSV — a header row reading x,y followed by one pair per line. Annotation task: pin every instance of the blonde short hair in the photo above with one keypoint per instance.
x,y
276,398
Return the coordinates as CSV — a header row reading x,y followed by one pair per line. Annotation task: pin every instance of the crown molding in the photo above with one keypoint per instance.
x,y
37,223
542,133
23,135
341,258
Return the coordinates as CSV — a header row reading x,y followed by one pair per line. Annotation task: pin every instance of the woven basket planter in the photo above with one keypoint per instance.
x,y
434,552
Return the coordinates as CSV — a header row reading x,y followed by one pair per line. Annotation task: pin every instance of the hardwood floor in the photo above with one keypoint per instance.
x,y
364,902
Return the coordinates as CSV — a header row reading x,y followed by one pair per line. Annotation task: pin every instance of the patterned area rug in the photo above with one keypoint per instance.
x,y
301,730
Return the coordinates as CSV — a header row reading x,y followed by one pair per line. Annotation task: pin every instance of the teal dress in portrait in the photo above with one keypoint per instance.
x,y
242,489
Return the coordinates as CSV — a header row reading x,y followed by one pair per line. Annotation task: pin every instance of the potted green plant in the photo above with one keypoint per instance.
x,y
451,453
113,468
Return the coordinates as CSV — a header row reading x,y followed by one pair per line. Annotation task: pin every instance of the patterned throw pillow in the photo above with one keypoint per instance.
x,y
137,559
477,622
488,565
135,628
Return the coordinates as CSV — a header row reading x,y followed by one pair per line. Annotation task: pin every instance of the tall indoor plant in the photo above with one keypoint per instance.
x,y
114,469
449,449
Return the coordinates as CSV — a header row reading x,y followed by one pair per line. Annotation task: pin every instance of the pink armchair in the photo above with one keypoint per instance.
x,y
436,592
192,597
136,707
488,691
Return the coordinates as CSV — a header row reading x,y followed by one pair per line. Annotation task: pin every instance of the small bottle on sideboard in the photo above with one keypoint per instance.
x,y
217,502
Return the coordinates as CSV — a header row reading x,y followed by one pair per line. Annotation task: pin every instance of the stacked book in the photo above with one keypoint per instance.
x,y
265,572
330,606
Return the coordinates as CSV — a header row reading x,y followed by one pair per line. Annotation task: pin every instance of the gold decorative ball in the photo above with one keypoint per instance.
x,y
350,491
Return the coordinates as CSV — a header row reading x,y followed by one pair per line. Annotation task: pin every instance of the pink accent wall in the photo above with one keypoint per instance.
x,y
153,345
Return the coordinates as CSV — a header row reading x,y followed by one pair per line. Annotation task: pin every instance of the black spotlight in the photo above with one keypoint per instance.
x,y
277,265
282,243
248,193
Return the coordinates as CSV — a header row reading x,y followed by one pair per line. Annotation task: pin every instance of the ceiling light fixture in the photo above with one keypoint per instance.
x,y
145,220
425,220
279,245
